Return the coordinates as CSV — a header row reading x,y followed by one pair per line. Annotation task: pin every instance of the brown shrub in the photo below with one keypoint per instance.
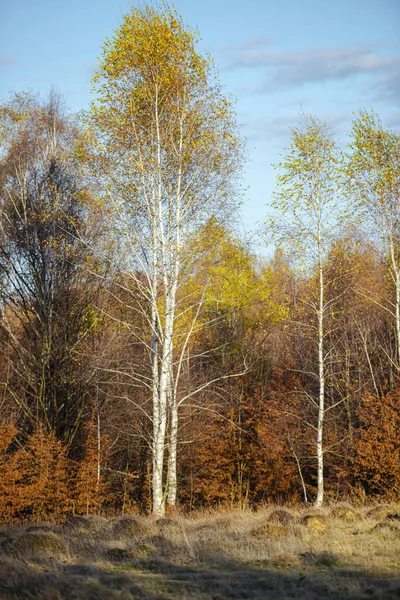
x,y
89,488
34,480
377,445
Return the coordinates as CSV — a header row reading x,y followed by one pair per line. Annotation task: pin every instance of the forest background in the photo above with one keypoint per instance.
x,y
149,356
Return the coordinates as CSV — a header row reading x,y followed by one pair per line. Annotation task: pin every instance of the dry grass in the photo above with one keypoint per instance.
x,y
339,553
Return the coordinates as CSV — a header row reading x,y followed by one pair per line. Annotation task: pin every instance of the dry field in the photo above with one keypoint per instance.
x,y
276,553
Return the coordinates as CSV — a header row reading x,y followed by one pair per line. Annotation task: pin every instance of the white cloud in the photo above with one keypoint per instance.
x,y
281,70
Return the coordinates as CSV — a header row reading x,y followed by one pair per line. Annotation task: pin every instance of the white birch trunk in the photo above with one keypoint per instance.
x,y
398,316
174,416
321,375
396,278
171,395
161,423
173,449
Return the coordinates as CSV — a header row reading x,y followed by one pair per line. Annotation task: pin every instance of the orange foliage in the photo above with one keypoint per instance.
x,y
89,487
34,478
377,447
38,481
242,457
8,474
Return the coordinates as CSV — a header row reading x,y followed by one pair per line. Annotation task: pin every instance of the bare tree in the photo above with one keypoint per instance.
x,y
45,294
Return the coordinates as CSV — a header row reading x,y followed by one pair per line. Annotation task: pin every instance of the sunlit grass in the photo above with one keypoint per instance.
x,y
337,552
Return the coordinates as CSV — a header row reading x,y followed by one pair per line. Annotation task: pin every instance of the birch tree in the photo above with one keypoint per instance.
x,y
167,151
373,179
307,209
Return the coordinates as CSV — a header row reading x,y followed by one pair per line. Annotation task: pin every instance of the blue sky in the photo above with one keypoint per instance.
x,y
327,57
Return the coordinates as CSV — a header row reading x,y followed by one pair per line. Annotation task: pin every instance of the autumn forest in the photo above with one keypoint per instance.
x,y
152,356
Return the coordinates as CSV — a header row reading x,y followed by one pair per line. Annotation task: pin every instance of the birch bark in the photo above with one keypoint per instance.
x,y
309,212
166,147
321,374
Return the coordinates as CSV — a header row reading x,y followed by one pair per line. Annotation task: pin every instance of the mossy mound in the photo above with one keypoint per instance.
x,y
36,545
76,524
270,529
85,523
282,515
165,522
169,551
387,526
170,525
97,522
223,523
206,532
344,513
316,523
136,552
378,512
129,526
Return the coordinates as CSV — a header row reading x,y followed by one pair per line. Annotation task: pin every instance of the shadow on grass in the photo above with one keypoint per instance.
x,y
214,580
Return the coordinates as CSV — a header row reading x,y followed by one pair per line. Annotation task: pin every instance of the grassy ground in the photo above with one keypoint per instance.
x,y
276,553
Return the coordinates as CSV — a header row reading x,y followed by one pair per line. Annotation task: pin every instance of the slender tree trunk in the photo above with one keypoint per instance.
x,y
321,403
396,277
159,400
160,423
173,443
98,438
160,373
160,426
173,405
398,316
173,440
164,393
